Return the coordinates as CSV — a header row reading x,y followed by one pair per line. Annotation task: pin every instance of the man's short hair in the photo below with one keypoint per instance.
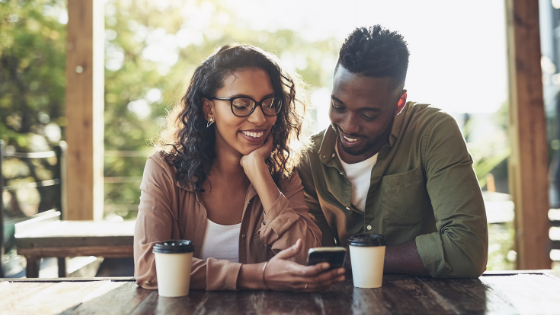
x,y
375,52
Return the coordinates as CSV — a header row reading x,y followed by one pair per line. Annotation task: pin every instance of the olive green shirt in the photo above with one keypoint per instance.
x,y
422,188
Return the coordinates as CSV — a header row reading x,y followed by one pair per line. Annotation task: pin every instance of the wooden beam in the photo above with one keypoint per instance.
x,y
528,163
1,211
84,109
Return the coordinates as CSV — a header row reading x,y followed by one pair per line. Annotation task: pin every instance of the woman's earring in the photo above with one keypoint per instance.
x,y
210,122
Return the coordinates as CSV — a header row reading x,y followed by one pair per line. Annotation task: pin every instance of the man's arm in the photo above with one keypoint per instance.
x,y
404,259
459,247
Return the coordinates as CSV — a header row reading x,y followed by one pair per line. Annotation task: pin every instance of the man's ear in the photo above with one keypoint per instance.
x,y
208,108
401,103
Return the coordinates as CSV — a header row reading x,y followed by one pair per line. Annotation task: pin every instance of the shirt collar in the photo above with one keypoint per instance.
x,y
397,124
188,187
326,150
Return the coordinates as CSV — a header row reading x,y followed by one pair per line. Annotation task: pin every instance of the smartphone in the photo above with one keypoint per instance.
x,y
333,255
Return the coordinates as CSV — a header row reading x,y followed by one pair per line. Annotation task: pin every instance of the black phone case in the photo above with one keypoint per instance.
x,y
335,259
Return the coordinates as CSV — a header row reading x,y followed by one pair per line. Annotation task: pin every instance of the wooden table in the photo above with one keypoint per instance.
x,y
70,239
505,293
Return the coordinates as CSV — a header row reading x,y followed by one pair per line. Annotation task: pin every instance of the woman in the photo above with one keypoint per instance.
x,y
227,181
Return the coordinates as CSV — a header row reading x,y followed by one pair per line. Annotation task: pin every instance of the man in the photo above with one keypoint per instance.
x,y
394,168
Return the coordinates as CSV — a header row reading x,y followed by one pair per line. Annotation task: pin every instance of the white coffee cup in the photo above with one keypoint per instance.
x,y
367,255
173,267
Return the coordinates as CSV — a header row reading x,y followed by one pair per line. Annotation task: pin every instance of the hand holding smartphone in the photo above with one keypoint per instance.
x,y
333,255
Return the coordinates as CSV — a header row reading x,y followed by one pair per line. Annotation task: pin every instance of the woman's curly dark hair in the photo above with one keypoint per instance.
x,y
188,144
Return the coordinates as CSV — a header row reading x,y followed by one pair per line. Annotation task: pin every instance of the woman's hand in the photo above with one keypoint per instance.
x,y
258,155
259,174
283,275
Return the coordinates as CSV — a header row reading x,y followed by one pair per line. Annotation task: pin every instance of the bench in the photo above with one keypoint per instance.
x,y
51,237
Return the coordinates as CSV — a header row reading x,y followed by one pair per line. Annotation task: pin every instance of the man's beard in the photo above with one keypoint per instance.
x,y
369,143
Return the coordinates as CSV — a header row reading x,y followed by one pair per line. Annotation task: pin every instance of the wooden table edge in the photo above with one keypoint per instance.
x,y
112,279
102,251
554,273
546,272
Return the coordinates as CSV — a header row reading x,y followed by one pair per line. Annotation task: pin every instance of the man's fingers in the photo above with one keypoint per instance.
x,y
290,251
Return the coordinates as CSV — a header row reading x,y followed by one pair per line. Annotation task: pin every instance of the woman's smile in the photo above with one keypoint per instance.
x,y
254,135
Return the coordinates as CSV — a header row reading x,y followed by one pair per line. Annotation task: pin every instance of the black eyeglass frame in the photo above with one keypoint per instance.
x,y
256,104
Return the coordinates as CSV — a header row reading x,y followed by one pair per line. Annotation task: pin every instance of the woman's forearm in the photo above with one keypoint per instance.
x,y
251,277
260,177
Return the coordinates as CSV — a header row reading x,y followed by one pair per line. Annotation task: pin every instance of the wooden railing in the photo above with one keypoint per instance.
x,y
110,208
57,182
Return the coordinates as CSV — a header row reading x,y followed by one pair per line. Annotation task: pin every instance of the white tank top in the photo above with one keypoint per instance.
x,y
221,241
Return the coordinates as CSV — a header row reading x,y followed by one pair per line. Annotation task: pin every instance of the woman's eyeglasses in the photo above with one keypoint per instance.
x,y
245,106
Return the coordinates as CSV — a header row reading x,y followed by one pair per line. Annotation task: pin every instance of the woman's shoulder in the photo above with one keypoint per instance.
x,y
160,159
157,165
160,165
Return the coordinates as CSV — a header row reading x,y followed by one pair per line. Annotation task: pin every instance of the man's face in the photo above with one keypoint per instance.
x,y
362,111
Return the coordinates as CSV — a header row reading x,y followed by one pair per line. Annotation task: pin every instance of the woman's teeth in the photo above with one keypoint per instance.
x,y
253,134
350,139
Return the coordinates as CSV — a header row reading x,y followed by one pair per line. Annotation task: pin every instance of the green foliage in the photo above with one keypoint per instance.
x,y
32,63
501,254
491,151
32,90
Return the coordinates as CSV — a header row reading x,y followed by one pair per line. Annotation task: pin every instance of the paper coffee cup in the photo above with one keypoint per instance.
x,y
173,267
367,254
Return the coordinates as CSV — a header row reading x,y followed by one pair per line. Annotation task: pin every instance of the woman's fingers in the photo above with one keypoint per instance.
x,y
308,271
329,275
315,278
266,148
326,276
319,286
282,274
301,278
290,251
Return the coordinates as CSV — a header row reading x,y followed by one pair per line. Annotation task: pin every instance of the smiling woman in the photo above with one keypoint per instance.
x,y
222,176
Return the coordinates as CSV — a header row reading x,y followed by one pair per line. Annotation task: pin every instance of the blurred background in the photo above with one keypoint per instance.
x,y
458,63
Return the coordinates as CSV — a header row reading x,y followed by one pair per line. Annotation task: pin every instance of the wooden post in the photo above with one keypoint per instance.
x,y
84,109
33,266
528,163
60,150
1,211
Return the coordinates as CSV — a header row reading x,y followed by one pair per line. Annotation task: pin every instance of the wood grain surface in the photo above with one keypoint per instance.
x,y
503,293
103,251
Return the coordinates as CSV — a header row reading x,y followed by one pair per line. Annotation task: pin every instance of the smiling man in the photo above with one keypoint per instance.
x,y
394,167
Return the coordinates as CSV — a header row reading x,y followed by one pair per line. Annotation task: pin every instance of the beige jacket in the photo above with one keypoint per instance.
x,y
169,211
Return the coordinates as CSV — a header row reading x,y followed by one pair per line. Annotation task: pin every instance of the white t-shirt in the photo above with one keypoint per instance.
x,y
359,174
221,241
